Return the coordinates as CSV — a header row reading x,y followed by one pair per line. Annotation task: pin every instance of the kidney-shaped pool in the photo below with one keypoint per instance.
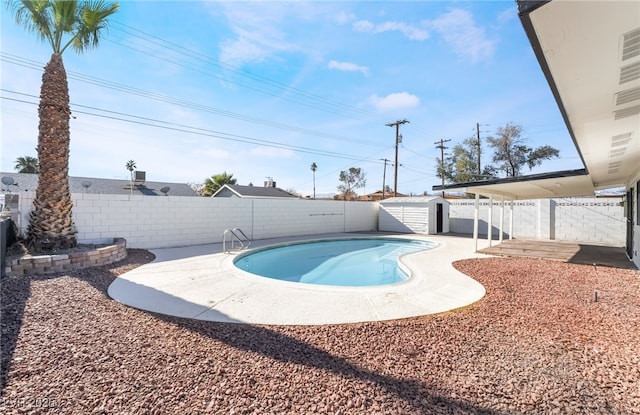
x,y
342,262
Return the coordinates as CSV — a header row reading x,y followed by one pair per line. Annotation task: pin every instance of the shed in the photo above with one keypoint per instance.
x,y
425,214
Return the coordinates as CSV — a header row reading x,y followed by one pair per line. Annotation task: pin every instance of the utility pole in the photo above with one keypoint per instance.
x,y
398,140
479,145
479,149
440,145
384,175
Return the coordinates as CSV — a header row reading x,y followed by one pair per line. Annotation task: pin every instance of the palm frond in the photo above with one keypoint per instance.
x,y
35,16
92,20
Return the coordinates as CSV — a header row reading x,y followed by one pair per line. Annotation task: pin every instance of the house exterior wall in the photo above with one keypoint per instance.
x,y
635,249
594,220
157,222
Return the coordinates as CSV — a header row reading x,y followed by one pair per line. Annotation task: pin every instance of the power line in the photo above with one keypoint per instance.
x,y
16,60
165,44
193,130
415,152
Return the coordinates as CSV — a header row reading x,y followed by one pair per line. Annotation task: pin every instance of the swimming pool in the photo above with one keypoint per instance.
x,y
342,262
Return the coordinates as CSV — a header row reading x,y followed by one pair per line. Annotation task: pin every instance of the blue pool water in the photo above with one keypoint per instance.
x,y
344,262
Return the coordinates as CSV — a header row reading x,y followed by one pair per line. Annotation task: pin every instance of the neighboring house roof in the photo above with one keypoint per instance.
x,y
416,199
230,190
590,54
93,185
379,195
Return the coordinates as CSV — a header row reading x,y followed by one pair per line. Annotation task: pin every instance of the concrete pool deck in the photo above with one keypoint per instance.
x,y
201,282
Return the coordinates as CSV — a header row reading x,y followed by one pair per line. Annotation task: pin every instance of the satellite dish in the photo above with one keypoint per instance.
x,y
86,184
165,190
8,181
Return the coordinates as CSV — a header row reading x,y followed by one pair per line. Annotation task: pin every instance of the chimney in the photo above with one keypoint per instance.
x,y
269,182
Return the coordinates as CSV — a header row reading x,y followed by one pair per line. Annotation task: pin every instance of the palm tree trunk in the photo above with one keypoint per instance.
x,y
51,225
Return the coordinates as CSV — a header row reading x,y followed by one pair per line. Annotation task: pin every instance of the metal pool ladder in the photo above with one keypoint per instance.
x,y
236,235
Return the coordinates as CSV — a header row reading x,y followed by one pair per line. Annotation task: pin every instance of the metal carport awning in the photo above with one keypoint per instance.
x,y
565,183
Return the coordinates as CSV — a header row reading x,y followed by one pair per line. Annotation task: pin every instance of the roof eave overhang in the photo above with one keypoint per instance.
x,y
525,8
565,183
588,53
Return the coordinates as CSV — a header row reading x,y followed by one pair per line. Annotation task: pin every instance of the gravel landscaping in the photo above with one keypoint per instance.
x,y
538,343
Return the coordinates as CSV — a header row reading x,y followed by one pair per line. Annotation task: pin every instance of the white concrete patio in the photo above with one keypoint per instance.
x,y
201,282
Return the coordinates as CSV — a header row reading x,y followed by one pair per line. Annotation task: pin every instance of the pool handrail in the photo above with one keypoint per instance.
x,y
234,233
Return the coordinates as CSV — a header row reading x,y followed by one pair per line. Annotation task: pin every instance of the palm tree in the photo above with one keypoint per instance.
x,y
27,164
61,24
213,183
131,166
314,167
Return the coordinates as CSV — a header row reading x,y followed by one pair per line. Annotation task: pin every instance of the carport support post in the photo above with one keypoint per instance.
x,y
501,218
510,218
476,215
490,220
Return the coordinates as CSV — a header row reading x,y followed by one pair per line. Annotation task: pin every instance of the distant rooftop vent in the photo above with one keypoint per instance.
x,y
269,182
139,176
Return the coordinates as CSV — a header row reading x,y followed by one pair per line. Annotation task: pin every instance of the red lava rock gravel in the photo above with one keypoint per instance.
x,y
538,343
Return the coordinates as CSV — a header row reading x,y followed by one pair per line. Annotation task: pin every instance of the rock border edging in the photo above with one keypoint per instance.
x,y
46,264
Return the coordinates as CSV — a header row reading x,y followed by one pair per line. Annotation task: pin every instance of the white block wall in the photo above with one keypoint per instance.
x,y
600,220
572,219
525,217
156,222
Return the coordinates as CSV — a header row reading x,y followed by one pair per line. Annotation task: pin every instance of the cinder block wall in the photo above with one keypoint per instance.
x,y
598,220
167,221
572,219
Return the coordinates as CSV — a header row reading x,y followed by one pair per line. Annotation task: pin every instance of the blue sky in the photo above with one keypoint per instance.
x,y
264,89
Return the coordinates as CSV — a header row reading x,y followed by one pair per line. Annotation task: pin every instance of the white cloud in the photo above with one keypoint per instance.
x,y
257,35
348,67
344,17
394,101
411,32
507,15
460,31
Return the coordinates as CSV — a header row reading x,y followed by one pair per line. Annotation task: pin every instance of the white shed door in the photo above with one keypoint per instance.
x,y
398,218
416,218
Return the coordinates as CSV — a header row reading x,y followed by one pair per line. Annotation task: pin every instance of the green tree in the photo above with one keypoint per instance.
x,y
27,164
78,24
213,183
511,153
461,166
351,179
